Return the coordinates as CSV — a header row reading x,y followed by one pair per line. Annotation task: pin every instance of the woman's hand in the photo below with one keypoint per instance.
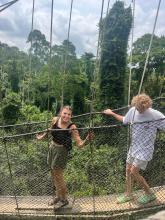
x,y
40,136
90,136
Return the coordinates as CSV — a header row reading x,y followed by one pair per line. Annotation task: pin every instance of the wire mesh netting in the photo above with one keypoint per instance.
x,y
95,175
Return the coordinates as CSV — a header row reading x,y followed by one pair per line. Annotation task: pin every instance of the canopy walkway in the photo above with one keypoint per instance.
x,y
95,175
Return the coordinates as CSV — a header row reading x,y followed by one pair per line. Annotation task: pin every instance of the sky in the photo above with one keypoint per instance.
x,y
15,21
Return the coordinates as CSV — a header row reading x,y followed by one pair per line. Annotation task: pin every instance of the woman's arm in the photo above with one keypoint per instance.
x,y
45,134
75,134
41,136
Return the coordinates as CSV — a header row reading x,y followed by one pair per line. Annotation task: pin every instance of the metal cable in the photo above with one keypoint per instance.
x,y
66,54
50,55
6,5
149,49
108,6
97,63
30,52
10,171
130,68
130,73
77,116
96,73
148,54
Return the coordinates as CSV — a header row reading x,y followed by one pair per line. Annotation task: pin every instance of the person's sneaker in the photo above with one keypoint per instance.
x,y
61,204
124,199
146,198
54,201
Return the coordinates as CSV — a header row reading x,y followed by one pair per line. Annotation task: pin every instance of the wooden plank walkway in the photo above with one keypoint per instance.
x,y
38,205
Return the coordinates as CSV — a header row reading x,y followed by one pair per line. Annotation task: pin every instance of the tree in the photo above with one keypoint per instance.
x,y
13,75
154,75
39,48
4,83
11,105
66,73
64,57
116,28
87,65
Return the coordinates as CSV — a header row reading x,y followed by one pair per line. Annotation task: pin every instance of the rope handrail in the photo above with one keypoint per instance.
x,y
37,132
76,116
79,129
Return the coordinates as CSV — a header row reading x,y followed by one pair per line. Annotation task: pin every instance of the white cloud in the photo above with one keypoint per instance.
x,y
145,15
15,22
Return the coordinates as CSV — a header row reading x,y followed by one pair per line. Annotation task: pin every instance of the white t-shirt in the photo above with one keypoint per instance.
x,y
143,131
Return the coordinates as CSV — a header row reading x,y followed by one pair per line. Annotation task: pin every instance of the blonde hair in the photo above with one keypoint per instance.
x,y
68,107
141,102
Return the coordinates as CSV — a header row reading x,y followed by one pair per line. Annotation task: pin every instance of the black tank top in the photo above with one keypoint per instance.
x,y
62,137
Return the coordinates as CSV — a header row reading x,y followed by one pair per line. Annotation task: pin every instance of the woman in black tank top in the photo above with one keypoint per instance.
x,y
62,131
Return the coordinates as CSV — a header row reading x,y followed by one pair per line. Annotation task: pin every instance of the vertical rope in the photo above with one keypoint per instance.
x,y
130,73
161,87
50,56
95,79
97,63
30,54
11,175
130,68
91,145
108,7
49,77
148,54
146,62
149,49
66,54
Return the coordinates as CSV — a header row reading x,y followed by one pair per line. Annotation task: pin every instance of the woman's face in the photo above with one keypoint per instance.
x,y
66,115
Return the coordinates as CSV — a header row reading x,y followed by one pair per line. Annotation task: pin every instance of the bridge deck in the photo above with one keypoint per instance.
x,y
38,205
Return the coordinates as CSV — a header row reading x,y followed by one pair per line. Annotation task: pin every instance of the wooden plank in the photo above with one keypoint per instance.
x,y
86,205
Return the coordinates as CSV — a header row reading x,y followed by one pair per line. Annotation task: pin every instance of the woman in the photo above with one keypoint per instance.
x,y
62,131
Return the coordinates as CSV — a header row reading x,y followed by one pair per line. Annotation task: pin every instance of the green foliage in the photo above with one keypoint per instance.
x,y
13,75
95,171
153,83
32,113
10,53
11,105
39,48
87,65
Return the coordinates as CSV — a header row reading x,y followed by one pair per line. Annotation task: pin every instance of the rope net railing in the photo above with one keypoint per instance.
x,y
95,175
80,120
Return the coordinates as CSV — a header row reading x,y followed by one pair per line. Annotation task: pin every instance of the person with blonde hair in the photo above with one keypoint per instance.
x,y
62,131
144,122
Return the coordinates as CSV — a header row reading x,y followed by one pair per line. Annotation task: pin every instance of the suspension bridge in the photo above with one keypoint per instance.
x,y
95,175
96,178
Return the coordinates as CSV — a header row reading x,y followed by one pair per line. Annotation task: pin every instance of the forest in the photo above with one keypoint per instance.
x,y
34,85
